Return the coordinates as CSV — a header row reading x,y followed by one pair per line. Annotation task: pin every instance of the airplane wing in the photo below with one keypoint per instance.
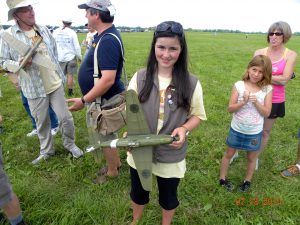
x,y
43,61
142,157
137,124
14,69
24,49
14,43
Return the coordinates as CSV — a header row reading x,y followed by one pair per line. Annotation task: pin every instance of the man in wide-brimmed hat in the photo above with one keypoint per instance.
x,y
42,87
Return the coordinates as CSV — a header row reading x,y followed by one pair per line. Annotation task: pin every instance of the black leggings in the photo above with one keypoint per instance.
x,y
167,188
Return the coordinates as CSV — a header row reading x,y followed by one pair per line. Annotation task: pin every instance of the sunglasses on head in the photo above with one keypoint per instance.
x,y
173,27
276,34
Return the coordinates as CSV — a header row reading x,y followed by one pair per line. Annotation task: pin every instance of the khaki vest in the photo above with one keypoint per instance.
x,y
174,117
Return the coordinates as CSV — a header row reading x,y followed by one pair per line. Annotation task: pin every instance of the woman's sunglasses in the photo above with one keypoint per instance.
x,y
276,34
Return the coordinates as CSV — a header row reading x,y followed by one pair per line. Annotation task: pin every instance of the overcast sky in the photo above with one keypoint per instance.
x,y
243,15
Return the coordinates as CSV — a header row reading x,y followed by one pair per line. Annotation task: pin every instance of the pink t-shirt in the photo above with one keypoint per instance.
x,y
277,69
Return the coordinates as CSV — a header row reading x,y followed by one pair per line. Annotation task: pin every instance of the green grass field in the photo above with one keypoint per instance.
x,y
60,192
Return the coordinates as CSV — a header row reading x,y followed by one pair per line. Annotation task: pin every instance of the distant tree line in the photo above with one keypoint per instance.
x,y
141,29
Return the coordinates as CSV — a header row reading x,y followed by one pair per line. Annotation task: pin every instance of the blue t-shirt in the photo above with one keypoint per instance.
x,y
109,58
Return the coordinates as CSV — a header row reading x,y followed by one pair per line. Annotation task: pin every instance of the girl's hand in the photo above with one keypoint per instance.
x,y
252,98
246,96
125,135
181,132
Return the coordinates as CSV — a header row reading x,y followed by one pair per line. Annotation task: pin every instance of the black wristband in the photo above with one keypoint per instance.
x,y
82,100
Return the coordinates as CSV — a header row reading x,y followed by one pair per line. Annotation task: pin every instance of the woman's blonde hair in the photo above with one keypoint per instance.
x,y
265,63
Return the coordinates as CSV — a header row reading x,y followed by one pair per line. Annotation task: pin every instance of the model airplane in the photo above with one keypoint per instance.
x,y
138,139
27,52
134,141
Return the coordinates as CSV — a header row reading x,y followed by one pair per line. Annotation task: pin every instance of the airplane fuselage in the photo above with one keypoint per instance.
x,y
135,141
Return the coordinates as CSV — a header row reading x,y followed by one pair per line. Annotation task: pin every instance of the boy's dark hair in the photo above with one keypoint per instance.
x,y
104,15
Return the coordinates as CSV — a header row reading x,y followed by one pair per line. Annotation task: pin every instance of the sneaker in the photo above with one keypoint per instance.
x,y
257,163
32,133
54,131
245,186
227,185
39,159
290,171
236,155
76,152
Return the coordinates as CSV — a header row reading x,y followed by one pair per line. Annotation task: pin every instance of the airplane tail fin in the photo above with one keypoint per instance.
x,y
136,125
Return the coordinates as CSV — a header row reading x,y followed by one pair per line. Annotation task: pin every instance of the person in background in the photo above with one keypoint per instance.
x,y
100,15
1,70
9,202
87,43
53,118
283,65
42,87
250,102
172,102
54,123
68,51
294,169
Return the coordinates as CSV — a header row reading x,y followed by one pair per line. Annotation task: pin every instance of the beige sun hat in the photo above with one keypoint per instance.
x,y
67,20
14,4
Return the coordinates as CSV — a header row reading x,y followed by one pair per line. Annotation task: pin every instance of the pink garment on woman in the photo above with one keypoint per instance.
x,y
277,69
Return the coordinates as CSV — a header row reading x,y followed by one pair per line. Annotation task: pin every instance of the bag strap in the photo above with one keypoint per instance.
x,y
96,69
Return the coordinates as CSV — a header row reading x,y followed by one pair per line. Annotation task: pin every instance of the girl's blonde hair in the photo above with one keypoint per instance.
x,y
265,63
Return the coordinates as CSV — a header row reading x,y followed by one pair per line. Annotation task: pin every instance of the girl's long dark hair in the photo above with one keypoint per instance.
x,y
180,76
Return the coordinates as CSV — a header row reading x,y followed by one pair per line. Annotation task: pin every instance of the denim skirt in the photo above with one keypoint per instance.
x,y
248,142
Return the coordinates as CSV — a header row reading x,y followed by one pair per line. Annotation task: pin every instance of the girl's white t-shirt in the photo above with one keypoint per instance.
x,y
248,120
